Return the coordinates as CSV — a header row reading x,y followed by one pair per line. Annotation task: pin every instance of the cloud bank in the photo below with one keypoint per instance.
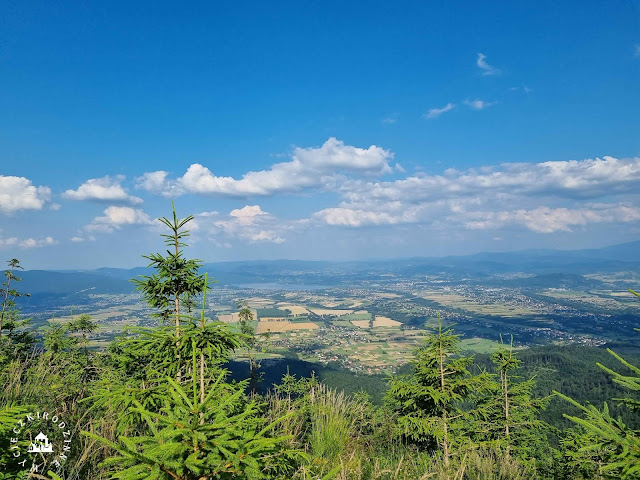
x,y
546,197
350,188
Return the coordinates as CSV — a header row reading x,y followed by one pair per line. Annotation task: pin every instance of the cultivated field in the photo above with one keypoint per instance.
x,y
455,300
603,299
233,317
361,323
283,326
327,311
373,331
381,321
294,309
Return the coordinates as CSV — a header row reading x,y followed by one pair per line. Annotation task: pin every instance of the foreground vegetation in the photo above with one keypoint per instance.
x,y
159,404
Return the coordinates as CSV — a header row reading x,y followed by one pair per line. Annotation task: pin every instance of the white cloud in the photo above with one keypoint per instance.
x,y
115,217
266,236
478,104
546,197
375,213
350,217
589,178
637,50
37,243
485,67
436,112
158,182
105,189
9,242
390,120
550,220
77,239
27,242
248,211
309,168
524,88
18,193
248,224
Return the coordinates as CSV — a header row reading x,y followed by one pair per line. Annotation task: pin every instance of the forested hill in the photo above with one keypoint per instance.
x,y
569,369
573,370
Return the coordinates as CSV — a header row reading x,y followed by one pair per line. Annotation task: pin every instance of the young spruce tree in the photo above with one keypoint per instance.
x,y
10,294
177,279
199,427
610,435
508,410
245,317
429,401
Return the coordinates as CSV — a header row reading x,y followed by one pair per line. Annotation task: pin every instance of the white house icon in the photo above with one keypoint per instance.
x,y
41,444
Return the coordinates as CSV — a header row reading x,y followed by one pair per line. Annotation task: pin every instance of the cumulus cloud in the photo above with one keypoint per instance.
x,y
309,168
487,69
115,217
248,224
354,217
105,189
436,112
83,238
545,197
478,104
37,243
160,183
371,214
9,242
18,193
550,220
265,236
27,242
247,213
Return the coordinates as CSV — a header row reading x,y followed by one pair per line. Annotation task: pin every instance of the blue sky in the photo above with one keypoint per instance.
x,y
316,130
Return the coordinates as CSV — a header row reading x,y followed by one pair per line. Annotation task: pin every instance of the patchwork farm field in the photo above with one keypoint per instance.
x,y
475,305
357,339
606,299
377,329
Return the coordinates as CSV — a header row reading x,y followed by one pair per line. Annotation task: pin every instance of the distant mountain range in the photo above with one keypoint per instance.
x,y
542,263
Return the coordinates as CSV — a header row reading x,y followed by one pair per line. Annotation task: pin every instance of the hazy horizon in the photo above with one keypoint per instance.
x,y
317,132
398,258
